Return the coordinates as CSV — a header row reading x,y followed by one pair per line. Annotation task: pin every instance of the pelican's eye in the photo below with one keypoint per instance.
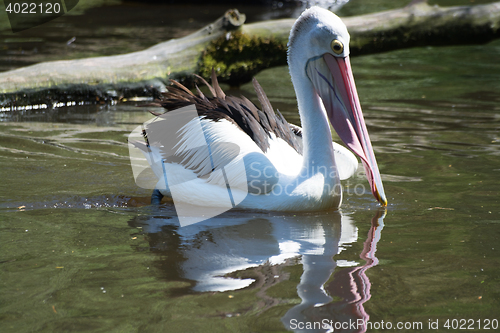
x,y
337,46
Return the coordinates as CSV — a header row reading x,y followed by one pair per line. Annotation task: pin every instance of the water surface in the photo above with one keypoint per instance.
x,y
81,250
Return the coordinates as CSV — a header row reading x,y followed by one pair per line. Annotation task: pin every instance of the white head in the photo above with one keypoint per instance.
x,y
316,32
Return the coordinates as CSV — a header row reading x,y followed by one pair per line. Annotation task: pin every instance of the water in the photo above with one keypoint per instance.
x,y
81,250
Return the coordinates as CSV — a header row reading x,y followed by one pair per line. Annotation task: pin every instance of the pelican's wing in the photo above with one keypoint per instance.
x,y
346,161
222,154
259,125
233,130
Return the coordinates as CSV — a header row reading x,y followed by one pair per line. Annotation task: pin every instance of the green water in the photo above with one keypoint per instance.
x,y
81,251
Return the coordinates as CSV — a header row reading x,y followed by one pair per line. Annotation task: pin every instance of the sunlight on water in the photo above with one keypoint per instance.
x,y
26,107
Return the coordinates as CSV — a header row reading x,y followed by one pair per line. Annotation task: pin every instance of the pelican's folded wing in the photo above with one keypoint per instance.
x,y
346,161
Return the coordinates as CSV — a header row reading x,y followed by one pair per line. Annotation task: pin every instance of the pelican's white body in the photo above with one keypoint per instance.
x,y
294,188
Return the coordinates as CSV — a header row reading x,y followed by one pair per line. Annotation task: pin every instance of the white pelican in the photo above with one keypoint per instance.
x,y
267,163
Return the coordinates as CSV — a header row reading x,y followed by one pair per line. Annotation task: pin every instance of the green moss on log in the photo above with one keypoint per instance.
x,y
237,57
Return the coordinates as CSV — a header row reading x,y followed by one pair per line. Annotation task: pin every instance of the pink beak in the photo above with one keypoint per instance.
x,y
340,98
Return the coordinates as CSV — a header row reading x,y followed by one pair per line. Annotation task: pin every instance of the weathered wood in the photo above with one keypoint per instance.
x,y
110,77
421,24
231,54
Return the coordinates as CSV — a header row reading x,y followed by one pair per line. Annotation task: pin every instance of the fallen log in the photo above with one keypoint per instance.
x,y
238,52
112,77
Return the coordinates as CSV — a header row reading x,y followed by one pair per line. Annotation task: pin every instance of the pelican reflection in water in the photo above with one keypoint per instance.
x,y
208,255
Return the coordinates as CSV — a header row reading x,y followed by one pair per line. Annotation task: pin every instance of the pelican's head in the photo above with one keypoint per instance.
x,y
318,51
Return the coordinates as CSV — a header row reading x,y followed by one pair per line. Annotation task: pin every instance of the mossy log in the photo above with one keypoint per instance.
x,y
238,52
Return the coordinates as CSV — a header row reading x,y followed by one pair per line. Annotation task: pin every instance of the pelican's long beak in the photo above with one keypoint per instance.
x,y
333,80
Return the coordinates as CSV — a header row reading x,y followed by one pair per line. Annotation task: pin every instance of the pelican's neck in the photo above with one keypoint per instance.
x,y
316,134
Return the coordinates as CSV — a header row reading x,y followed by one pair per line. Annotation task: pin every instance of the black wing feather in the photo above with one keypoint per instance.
x,y
240,111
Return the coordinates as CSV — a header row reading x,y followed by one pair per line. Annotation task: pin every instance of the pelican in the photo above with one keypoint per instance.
x,y
267,163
